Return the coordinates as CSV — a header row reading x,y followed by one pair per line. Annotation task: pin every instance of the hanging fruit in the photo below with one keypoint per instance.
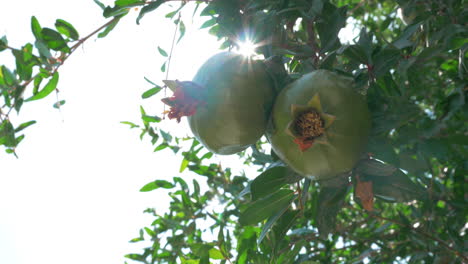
x,y
227,103
320,125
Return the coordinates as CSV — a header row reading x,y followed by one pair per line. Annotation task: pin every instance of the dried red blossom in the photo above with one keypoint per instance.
x,y
181,103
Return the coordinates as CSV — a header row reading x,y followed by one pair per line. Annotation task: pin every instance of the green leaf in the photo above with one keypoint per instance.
x,y
151,119
7,134
11,151
58,104
208,11
374,167
397,188
166,136
247,242
101,5
116,11
36,28
383,150
151,92
135,257
54,40
162,52
182,30
188,261
404,39
171,14
209,23
265,207
136,239
132,125
365,43
329,28
329,203
109,28
284,223
271,221
365,254
305,191
3,43
171,84
43,49
161,147
383,227
24,61
128,2
202,251
150,82
66,29
268,182
385,60
24,125
148,8
37,82
207,155
7,77
317,7
355,53
260,157
48,88
183,165
142,110
150,232
215,254
329,61
182,183
156,185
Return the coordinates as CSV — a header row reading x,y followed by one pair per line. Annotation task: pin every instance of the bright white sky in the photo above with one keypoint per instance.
x,y
73,194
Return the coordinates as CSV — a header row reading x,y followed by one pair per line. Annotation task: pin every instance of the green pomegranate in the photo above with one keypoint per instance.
x,y
320,125
228,102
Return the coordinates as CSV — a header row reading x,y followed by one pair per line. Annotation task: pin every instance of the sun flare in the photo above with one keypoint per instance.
x,y
247,48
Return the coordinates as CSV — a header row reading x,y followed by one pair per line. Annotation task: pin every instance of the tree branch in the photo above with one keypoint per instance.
x,y
62,58
312,40
424,234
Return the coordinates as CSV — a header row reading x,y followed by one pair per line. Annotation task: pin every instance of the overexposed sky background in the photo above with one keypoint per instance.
x,y
73,194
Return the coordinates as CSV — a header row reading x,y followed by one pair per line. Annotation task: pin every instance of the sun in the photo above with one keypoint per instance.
x,y
247,48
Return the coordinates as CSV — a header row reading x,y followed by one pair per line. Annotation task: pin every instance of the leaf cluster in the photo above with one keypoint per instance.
x,y
414,78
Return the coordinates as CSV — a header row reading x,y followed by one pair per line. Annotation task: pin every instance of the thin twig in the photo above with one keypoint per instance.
x,y
170,58
172,47
61,59
81,41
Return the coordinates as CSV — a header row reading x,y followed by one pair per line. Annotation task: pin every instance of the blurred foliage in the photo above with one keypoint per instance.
x,y
409,59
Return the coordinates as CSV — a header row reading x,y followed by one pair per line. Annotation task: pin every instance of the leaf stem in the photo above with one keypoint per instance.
x,y
169,58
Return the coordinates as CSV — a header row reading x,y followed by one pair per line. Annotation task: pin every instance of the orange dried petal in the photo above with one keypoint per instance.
x,y
365,193
303,144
